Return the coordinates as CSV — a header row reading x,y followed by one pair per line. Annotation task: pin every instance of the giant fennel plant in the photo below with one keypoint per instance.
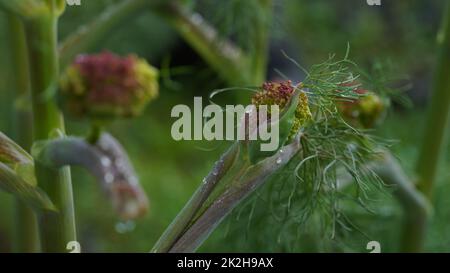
x,y
322,127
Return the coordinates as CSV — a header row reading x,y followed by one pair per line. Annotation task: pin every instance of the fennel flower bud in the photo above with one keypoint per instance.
x,y
279,93
106,86
294,114
365,111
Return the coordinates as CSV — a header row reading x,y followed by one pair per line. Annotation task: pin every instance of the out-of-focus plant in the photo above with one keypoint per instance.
x,y
39,22
31,9
42,180
366,111
235,65
435,137
104,87
26,238
328,143
319,127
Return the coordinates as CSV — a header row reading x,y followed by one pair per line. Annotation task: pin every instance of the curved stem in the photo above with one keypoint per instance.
x,y
415,205
222,55
89,35
107,161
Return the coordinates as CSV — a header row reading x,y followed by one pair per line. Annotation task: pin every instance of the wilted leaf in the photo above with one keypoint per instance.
x,y
11,182
11,153
17,159
107,161
17,175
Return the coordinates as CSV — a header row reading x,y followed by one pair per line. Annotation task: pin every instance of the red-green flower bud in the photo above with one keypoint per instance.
x,y
274,93
279,93
367,110
294,113
106,85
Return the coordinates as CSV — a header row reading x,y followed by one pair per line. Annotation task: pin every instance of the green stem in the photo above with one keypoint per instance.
x,y
232,179
415,205
260,55
186,215
223,56
435,140
55,230
88,36
244,180
95,133
26,226
27,239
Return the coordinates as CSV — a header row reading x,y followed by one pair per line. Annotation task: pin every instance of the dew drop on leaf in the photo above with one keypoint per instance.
x,y
109,178
123,227
106,162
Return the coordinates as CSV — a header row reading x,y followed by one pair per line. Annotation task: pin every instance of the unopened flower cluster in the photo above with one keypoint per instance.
x,y
280,93
106,85
365,111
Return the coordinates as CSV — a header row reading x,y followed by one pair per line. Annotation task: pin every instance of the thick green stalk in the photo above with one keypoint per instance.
x,y
55,230
243,180
435,140
186,215
26,239
231,180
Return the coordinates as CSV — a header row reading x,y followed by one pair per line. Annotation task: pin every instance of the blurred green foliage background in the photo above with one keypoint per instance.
x,y
399,34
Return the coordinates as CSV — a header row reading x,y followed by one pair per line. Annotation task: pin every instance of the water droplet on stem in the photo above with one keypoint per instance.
x,y
123,227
